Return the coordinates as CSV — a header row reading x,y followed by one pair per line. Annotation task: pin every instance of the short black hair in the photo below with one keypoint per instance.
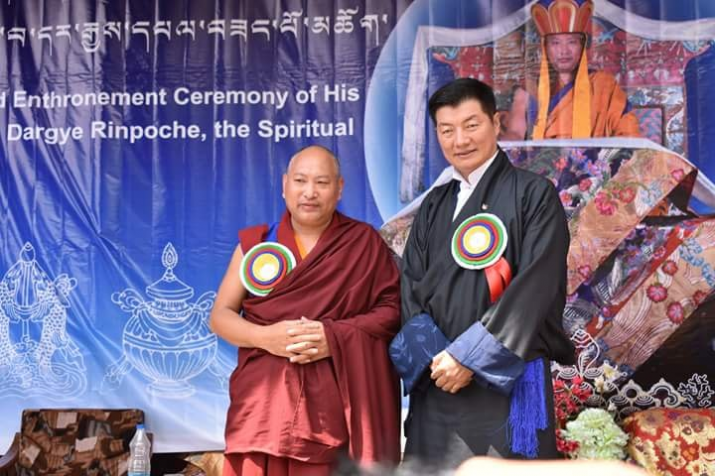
x,y
455,93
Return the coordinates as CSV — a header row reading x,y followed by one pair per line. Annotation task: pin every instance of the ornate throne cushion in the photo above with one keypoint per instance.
x,y
76,441
673,441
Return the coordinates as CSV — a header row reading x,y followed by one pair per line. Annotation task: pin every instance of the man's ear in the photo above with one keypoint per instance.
x,y
341,184
285,179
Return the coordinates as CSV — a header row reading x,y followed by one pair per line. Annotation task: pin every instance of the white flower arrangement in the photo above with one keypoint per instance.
x,y
597,435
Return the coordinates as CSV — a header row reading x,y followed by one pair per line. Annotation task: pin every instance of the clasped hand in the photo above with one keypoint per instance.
x,y
301,341
448,373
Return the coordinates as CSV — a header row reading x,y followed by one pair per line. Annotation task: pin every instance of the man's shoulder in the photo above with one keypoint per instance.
x,y
433,198
603,78
356,225
253,228
533,182
360,233
436,193
535,193
252,235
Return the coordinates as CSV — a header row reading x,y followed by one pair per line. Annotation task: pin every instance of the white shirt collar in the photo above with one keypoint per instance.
x,y
476,175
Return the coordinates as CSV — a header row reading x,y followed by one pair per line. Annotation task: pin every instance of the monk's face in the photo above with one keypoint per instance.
x,y
564,51
312,188
467,135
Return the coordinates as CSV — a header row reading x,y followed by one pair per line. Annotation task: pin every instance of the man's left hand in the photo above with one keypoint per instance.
x,y
309,342
448,373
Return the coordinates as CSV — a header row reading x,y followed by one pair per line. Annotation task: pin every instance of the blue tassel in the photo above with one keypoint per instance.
x,y
527,412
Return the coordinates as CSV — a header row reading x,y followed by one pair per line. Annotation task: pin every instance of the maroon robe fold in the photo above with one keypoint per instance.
x,y
348,401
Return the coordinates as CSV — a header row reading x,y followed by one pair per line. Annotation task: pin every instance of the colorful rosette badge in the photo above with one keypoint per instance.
x,y
264,266
479,241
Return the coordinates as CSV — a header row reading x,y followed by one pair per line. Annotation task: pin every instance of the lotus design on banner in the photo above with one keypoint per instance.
x,y
167,338
37,356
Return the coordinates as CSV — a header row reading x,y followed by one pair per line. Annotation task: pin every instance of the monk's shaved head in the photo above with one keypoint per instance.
x,y
319,150
312,186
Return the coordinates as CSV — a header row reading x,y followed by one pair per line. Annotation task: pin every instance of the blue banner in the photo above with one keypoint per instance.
x,y
137,139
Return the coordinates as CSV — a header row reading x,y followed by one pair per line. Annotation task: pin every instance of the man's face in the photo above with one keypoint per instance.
x,y
467,135
564,51
312,188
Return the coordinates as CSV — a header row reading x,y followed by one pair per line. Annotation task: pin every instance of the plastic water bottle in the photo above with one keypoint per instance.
x,y
139,453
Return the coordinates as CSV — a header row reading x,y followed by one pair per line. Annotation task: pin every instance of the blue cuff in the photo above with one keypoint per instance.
x,y
477,349
414,347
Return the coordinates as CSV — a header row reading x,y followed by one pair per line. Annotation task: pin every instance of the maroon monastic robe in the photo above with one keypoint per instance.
x,y
348,401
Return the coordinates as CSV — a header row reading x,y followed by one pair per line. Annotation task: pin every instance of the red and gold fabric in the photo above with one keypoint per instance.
x,y
673,442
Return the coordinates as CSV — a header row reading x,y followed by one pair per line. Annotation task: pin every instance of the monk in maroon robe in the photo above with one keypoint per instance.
x,y
314,381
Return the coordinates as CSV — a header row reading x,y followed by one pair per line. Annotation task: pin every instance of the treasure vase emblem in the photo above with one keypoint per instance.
x,y
167,337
